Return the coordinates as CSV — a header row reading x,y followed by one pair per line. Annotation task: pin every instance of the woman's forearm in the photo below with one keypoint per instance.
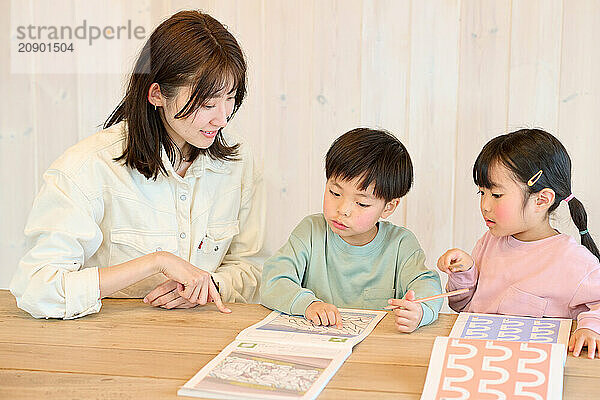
x,y
120,276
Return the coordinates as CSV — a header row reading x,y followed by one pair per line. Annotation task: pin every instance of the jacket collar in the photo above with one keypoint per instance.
x,y
202,163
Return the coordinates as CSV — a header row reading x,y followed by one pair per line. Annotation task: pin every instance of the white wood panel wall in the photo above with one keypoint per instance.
x,y
445,76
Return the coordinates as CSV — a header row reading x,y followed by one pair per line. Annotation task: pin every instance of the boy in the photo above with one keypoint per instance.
x,y
346,256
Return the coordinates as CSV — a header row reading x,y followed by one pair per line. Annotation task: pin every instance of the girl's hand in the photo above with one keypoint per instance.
x,y
321,313
196,284
166,295
408,314
585,337
455,260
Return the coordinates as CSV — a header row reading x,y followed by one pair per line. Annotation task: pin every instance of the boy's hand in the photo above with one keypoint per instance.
x,y
585,337
455,260
408,314
321,313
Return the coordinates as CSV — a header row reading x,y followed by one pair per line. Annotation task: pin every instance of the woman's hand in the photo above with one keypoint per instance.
x,y
166,295
196,285
321,313
455,260
585,337
408,314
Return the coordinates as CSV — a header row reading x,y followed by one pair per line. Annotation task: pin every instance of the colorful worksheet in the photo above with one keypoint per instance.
x,y
479,369
282,357
511,328
283,328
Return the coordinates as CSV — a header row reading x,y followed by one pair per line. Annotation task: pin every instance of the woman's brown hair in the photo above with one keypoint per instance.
x,y
188,49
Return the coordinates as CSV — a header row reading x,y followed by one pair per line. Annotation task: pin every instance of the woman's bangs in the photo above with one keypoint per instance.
x,y
213,79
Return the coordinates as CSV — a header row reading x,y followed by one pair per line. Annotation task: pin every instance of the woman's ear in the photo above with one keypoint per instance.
x,y
544,199
389,208
155,96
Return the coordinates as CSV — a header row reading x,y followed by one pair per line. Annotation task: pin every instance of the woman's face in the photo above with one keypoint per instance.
x,y
199,128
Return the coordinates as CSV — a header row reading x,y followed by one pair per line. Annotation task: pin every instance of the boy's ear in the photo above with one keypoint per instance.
x,y
389,208
544,199
155,96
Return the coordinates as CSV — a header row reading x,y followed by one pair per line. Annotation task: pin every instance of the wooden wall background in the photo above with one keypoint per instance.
x,y
444,75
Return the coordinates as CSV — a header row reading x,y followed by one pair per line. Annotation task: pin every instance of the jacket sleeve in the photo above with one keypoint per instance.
x,y
414,275
282,278
239,274
61,232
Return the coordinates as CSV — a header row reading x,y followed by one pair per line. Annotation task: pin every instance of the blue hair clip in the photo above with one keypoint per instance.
x,y
583,232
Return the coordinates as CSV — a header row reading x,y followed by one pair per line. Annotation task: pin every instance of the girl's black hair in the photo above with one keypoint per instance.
x,y
374,156
525,152
188,49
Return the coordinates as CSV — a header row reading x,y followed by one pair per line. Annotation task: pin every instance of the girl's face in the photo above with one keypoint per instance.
x,y
199,128
503,210
352,213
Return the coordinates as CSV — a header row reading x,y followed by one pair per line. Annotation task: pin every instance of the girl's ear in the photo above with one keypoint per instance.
x,y
155,96
544,199
389,208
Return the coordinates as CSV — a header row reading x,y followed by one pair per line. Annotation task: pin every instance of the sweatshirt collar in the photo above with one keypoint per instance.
x,y
364,250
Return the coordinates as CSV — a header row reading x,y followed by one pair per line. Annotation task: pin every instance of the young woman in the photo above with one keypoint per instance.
x,y
161,203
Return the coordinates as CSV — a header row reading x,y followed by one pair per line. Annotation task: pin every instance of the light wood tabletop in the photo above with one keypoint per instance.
x,y
133,351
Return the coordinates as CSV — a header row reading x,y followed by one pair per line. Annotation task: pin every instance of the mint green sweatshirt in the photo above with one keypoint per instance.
x,y
317,264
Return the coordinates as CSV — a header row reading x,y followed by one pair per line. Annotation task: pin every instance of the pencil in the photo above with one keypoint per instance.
x,y
437,296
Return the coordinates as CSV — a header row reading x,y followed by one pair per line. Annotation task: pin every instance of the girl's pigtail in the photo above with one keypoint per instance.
x,y
579,217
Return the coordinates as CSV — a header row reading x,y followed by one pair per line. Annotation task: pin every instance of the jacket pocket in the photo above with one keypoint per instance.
x,y
518,302
215,244
128,244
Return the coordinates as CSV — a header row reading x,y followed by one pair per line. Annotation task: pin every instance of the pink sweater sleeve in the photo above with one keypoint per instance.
x,y
588,294
467,279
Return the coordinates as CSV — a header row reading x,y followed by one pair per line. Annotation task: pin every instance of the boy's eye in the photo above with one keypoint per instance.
x,y
231,98
208,106
334,193
497,195
363,205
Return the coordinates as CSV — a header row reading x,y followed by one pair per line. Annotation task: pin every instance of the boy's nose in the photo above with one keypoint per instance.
x,y
344,210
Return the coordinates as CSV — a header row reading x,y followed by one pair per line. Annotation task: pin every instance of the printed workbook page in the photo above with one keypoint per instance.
x,y
283,328
261,370
511,328
492,369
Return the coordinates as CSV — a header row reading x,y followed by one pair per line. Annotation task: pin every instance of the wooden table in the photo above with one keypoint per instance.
x,y
133,351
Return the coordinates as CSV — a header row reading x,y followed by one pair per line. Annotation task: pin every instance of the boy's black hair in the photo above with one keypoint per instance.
x,y
524,153
374,156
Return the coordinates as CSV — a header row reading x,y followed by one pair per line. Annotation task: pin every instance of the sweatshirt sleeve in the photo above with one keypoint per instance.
x,y
239,274
588,294
465,280
282,277
425,282
61,233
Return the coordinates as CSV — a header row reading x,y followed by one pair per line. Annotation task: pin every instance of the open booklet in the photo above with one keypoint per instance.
x,y
499,356
511,328
281,357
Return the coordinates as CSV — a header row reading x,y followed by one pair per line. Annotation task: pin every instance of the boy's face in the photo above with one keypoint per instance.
x,y
352,213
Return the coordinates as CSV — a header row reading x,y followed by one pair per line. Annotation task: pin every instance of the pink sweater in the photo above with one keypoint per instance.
x,y
552,277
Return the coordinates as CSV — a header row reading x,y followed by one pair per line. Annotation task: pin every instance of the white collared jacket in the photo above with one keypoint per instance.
x,y
93,212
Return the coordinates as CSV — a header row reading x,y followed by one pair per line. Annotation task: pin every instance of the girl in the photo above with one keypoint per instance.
x,y
160,199
522,266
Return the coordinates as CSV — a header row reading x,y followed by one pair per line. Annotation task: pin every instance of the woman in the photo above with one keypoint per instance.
x,y
160,201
